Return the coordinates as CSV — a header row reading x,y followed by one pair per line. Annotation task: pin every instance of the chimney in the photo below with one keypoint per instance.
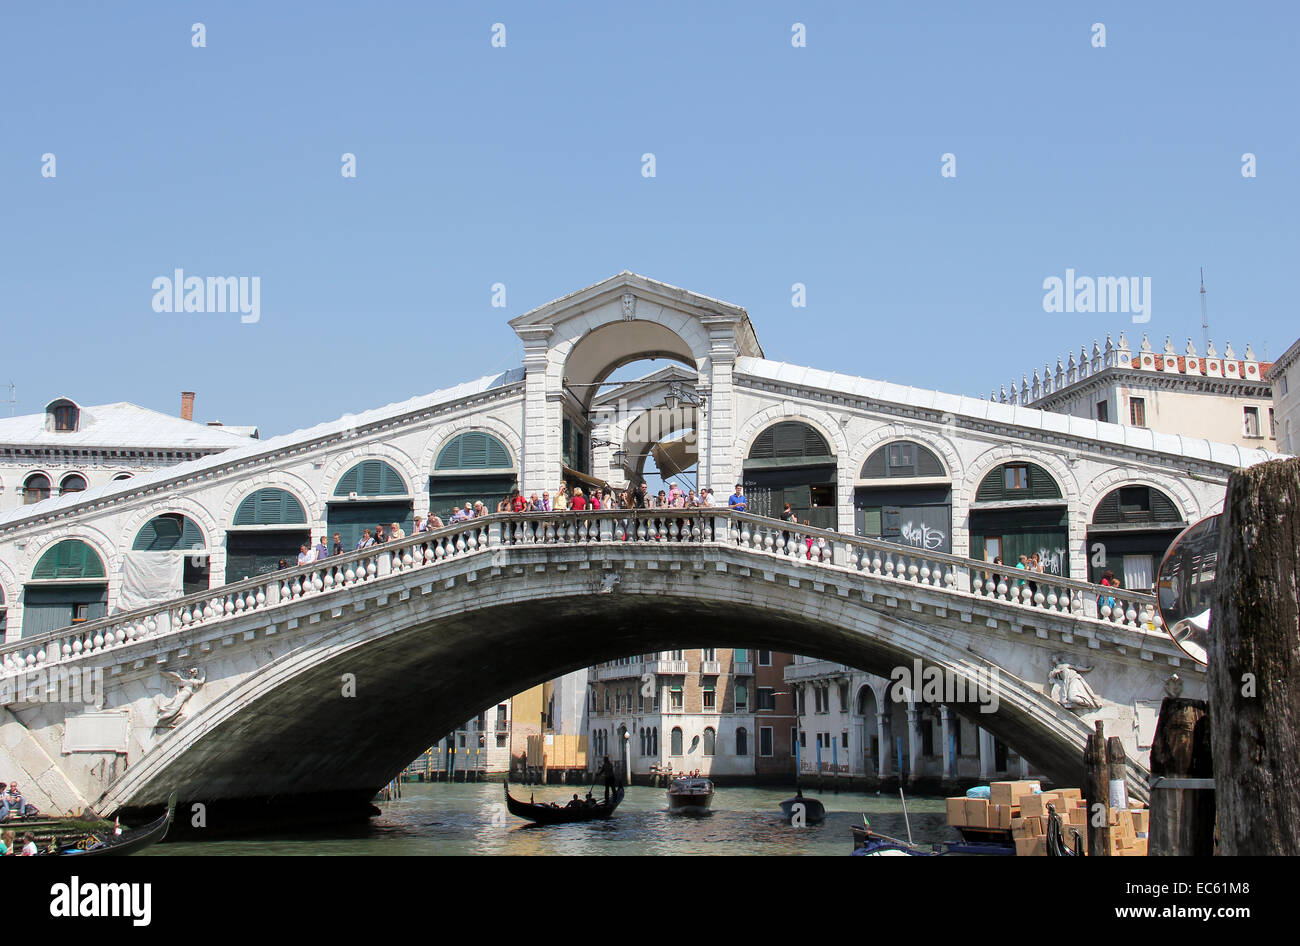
x,y
187,405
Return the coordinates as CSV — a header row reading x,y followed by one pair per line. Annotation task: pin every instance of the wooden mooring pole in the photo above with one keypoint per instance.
x,y
1096,791
1254,662
1182,819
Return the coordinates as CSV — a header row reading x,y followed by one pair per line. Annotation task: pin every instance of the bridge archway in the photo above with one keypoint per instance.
x,y
425,662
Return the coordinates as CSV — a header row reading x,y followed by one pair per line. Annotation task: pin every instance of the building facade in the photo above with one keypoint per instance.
x,y
68,448
1220,397
1284,376
706,709
857,725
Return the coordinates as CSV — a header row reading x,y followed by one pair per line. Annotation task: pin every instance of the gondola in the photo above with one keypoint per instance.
x,y
866,843
553,814
814,812
128,842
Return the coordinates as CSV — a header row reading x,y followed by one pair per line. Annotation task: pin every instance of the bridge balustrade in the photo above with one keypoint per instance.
x,y
795,544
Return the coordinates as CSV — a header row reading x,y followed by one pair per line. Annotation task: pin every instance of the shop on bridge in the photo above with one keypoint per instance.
x,y
369,494
172,532
474,466
269,525
904,495
69,586
1019,509
791,462
1131,529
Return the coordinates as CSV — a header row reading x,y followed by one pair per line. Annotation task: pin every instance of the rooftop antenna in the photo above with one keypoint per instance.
x,y
1205,316
12,400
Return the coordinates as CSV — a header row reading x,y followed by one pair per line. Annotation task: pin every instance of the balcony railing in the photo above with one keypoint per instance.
x,y
664,666
710,666
742,668
897,567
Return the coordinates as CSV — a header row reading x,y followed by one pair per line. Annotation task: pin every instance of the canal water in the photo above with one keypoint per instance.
x,y
440,818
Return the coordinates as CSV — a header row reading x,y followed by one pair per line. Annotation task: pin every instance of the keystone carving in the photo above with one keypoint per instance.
x,y
629,307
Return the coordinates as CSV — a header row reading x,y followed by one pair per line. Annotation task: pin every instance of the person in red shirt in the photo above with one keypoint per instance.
x,y
519,504
578,503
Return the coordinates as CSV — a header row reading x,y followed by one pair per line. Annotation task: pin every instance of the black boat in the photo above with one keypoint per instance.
x,y
814,812
563,814
866,843
128,842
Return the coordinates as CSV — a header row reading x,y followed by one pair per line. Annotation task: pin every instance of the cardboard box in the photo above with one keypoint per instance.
x,y
1000,816
1072,793
1031,847
1077,817
1010,793
1035,806
957,812
977,812
1068,833
1020,828
1141,821
1037,827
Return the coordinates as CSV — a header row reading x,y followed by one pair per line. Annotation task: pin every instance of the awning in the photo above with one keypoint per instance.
x,y
570,475
674,457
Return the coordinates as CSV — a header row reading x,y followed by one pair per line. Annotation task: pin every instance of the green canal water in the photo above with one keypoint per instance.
x,y
431,819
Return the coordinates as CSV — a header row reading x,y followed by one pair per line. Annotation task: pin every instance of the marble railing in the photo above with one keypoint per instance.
x,y
893,565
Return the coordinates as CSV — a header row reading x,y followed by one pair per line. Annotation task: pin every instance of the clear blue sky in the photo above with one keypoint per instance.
x,y
522,165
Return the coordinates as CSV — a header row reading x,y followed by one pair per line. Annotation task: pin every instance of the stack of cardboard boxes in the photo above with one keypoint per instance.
x,y
1129,828
1020,810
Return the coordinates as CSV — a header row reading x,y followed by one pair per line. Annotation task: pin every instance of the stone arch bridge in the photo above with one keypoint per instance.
x,y
315,686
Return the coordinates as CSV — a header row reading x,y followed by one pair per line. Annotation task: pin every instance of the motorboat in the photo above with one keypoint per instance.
x,y
690,794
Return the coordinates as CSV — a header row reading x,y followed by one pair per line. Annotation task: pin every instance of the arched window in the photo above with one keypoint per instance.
x,y
1136,505
69,560
643,742
473,450
473,466
742,741
654,741
270,507
36,488
172,532
122,476
710,740
270,527
72,483
791,441
62,415
68,587
675,745
1012,481
372,478
903,458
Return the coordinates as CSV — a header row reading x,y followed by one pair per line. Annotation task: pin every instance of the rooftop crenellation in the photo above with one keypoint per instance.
x,y
1191,363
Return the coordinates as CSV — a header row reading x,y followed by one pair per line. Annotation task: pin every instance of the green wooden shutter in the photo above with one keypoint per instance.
x,y
371,478
473,450
1040,486
69,559
876,465
167,532
270,507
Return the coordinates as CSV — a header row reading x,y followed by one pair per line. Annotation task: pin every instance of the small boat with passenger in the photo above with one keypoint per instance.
x,y
123,842
812,811
690,794
575,810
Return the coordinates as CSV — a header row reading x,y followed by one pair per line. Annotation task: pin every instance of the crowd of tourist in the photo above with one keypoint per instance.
x,y
575,500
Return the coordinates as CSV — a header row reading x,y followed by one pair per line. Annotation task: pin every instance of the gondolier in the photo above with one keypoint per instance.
x,y
606,772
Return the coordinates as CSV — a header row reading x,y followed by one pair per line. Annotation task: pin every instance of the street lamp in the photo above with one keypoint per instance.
x,y
676,394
